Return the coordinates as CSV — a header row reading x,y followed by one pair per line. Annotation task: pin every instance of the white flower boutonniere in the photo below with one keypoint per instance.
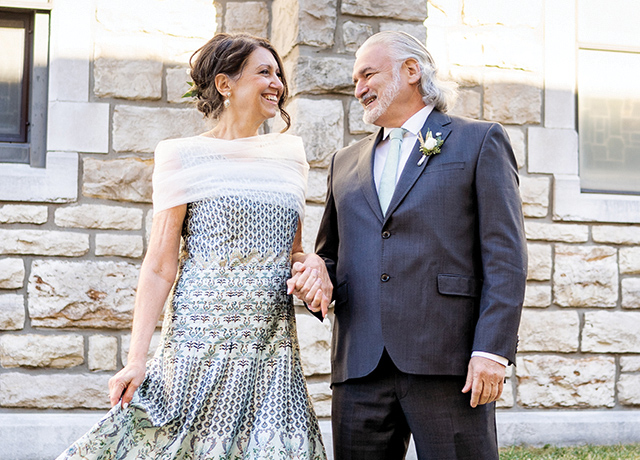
x,y
429,145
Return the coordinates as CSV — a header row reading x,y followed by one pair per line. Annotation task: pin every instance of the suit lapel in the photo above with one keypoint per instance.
x,y
437,123
365,173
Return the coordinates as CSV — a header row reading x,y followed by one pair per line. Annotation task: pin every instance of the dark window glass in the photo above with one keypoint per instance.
x,y
15,64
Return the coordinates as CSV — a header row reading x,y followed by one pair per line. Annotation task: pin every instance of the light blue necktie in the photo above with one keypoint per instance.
x,y
390,170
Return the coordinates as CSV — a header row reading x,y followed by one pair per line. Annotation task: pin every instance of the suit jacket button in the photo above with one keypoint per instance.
x,y
384,278
386,234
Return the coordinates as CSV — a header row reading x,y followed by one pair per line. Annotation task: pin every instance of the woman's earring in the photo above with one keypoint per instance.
x,y
227,102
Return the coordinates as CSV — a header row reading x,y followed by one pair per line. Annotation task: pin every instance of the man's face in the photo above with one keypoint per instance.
x,y
378,83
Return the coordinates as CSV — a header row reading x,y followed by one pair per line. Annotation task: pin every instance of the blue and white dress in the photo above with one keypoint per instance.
x,y
226,381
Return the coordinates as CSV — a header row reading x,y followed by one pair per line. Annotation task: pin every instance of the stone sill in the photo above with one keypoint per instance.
x,y
570,204
57,183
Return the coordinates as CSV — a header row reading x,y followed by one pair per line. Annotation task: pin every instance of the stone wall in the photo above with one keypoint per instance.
x,y
68,268
580,332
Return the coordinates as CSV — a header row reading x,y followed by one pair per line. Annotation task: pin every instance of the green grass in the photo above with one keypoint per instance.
x,y
616,452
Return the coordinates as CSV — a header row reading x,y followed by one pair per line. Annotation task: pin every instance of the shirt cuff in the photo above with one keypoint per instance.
x,y
498,359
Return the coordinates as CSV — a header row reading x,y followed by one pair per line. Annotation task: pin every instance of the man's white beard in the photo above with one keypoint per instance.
x,y
384,100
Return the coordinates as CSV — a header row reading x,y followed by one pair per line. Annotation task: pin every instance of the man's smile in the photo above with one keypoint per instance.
x,y
368,99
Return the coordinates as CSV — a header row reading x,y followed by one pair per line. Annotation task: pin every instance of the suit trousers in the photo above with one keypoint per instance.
x,y
374,416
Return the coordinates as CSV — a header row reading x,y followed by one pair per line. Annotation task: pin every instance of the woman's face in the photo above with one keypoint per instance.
x,y
258,89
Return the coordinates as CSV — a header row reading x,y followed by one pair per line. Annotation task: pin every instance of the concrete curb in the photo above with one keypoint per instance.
x,y
568,428
43,436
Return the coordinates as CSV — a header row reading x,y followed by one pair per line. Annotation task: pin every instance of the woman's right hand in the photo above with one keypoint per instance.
x,y
123,385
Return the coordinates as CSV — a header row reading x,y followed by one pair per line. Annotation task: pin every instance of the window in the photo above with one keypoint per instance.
x,y
23,86
15,56
609,121
571,201
608,97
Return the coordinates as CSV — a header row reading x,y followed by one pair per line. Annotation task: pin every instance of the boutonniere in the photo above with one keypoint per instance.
x,y
429,145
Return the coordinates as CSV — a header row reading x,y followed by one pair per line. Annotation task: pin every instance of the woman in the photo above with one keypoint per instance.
x,y
226,381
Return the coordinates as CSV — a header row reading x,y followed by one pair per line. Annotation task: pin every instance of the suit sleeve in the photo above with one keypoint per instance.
x,y
502,245
328,239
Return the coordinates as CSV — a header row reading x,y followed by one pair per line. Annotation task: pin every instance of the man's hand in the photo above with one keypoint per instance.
x,y
310,283
485,380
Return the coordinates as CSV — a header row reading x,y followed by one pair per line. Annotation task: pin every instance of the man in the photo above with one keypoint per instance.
x,y
429,276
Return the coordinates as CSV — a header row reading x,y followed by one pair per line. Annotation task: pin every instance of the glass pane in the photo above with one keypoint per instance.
x,y
614,22
12,37
609,119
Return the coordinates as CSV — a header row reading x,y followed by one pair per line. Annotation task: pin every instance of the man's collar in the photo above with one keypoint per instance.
x,y
415,123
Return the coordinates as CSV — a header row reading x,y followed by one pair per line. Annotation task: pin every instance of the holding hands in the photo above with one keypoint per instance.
x,y
310,283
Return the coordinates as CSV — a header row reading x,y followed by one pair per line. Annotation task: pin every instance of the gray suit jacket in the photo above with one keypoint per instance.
x,y
444,272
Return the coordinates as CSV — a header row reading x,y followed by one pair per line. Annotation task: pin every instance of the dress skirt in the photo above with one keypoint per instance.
x,y
226,381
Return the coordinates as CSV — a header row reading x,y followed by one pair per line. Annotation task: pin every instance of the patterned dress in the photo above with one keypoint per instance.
x,y
226,381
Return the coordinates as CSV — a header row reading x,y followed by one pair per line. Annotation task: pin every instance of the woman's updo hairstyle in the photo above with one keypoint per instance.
x,y
227,54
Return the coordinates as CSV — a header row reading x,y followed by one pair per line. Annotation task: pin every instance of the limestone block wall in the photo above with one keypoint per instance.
x,y
68,266
579,337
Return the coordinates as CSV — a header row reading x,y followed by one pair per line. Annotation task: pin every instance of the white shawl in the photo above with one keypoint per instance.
x,y
270,168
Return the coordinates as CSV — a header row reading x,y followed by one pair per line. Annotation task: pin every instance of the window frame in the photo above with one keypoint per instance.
x,y
570,203
32,148
599,47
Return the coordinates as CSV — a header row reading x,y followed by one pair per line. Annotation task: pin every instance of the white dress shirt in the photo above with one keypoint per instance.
x,y
413,126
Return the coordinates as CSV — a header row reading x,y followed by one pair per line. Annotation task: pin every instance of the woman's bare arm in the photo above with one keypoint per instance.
x,y
157,275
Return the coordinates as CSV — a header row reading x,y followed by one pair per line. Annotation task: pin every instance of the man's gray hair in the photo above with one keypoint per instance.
x,y
403,46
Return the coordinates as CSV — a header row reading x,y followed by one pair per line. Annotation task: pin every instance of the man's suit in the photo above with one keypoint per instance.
x,y
443,273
